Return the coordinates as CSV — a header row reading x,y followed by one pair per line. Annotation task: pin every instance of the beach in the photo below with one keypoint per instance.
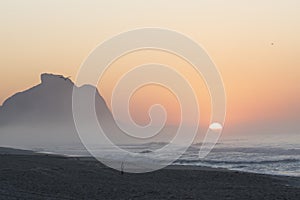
x,y
40,176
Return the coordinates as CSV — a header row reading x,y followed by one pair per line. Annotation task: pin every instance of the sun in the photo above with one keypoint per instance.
x,y
215,126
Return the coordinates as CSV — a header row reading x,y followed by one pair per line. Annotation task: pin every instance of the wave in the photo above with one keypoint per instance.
x,y
260,150
185,161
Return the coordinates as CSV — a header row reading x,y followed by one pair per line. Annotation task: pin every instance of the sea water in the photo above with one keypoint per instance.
x,y
272,156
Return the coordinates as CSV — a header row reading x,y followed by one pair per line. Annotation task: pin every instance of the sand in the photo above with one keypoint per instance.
x,y
38,176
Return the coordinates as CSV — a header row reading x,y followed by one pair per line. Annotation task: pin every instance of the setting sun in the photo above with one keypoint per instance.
x,y
215,126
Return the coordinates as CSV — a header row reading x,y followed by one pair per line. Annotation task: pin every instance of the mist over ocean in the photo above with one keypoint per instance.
x,y
249,155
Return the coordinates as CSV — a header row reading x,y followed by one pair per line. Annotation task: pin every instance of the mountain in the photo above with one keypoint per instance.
x,y
42,115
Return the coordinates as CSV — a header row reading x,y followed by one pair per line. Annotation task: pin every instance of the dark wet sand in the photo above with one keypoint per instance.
x,y
54,177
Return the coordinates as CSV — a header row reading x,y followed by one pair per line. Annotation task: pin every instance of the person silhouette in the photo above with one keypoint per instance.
x,y
122,168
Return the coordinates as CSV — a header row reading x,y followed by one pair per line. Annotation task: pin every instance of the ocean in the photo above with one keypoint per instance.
x,y
276,158
263,158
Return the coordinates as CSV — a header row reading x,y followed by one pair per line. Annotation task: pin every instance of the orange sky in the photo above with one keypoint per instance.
x,y
261,79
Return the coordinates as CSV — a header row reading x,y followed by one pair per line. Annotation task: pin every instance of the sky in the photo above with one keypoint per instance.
x,y
255,45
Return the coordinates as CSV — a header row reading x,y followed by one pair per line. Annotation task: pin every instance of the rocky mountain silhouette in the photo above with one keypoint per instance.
x,y
43,114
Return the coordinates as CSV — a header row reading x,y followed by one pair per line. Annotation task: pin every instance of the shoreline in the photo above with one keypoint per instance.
x,y
293,180
189,167
13,151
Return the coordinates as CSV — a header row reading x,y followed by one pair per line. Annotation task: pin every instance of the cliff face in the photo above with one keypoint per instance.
x,y
49,100
43,113
42,116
